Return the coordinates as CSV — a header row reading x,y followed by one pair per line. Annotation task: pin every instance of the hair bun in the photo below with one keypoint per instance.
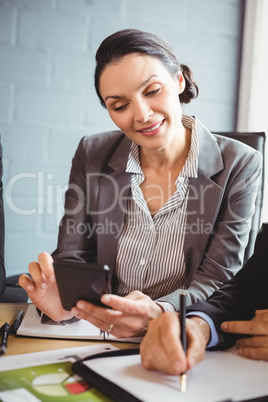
x,y
191,89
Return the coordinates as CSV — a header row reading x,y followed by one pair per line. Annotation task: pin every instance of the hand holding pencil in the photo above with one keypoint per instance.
x,y
161,348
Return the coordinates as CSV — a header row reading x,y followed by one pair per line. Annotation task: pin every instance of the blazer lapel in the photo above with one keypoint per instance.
x,y
203,202
114,191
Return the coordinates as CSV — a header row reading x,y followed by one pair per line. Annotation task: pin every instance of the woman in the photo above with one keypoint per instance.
x,y
163,202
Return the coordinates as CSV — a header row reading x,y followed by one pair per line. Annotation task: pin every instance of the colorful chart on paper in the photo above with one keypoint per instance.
x,y
48,382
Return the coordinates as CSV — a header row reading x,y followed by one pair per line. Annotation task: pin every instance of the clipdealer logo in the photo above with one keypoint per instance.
x,y
47,197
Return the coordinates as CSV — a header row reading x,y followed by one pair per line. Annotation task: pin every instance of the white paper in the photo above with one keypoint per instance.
x,y
18,395
31,326
52,356
29,386
221,375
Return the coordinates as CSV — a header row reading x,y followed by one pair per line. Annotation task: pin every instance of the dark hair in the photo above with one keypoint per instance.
x,y
128,41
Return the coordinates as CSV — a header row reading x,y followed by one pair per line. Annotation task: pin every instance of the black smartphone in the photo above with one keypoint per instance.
x,y
78,280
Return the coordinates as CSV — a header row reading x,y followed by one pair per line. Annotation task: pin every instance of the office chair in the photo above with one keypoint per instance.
x,y
257,141
13,293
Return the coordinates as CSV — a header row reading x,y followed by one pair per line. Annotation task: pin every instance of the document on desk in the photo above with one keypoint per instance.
x,y
47,376
221,376
31,326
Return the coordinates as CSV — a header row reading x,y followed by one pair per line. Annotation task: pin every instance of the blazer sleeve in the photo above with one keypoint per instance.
x,y
2,230
224,252
241,296
79,237
75,239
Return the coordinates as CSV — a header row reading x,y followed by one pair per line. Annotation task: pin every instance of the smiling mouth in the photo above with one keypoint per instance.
x,y
152,128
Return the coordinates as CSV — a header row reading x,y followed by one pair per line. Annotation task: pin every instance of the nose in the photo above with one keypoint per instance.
x,y
143,111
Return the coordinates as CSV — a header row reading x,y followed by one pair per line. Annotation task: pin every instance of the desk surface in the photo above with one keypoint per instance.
x,y
19,345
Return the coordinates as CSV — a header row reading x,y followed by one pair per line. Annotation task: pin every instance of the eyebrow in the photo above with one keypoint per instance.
x,y
143,84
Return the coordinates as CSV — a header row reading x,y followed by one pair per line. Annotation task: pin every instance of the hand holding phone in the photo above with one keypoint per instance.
x,y
78,280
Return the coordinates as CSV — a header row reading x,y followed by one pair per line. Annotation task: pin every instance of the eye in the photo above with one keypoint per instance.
x,y
120,108
153,92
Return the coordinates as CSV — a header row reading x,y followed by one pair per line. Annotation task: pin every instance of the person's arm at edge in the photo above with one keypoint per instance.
x,y
239,298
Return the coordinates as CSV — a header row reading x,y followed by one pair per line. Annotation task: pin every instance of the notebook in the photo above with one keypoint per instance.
x,y
33,327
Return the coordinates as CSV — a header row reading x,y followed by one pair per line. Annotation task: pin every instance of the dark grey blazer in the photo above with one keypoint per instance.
x,y
219,210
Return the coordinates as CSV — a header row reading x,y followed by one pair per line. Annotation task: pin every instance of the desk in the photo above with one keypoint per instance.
x,y
20,345
241,378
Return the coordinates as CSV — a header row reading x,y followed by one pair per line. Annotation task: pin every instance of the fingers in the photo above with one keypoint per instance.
x,y
161,348
42,288
195,353
134,304
253,342
135,295
257,351
38,278
255,347
261,315
46,263
123,304
98,316
41,273
245,327
130,315
125,326
265,311
101,314
198,333
127,305
26,283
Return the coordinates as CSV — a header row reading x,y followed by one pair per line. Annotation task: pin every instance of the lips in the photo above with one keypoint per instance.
x,y
153,129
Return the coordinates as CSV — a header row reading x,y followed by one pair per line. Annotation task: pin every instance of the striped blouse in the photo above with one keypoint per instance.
x,y
150,251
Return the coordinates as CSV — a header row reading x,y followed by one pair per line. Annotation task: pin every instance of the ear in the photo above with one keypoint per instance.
x,y
181,82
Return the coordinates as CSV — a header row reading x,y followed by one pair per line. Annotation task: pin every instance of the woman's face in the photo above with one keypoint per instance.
x,y
142,99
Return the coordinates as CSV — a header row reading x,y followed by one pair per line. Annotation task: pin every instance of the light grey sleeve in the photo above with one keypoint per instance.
x,y
225,250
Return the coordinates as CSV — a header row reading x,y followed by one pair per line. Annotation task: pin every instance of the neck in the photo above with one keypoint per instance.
x,y
174,154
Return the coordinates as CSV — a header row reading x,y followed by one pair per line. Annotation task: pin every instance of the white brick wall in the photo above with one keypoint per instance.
x,y
47,98
51,29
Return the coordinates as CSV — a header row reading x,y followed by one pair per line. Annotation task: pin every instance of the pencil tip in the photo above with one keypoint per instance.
x,y
183,378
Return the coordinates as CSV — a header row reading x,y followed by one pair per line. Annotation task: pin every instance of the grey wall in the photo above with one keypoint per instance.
x,y
47,99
